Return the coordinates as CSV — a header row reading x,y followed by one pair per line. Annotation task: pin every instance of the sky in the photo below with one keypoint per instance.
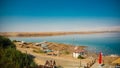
x,y
59,15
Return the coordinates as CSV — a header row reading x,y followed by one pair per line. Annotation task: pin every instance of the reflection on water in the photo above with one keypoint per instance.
x,y
108,43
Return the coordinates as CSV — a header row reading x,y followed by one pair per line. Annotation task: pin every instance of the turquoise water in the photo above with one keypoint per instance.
x,y
108,43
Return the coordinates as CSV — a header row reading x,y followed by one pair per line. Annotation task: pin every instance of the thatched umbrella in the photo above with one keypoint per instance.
x,y
47,63
54,63
116,61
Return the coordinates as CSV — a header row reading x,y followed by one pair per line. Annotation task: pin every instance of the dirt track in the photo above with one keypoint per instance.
x,y
60,61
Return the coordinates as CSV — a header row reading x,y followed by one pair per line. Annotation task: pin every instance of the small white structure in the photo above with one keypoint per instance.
x,y
22,42
75,55
78,52
43,46
37,44
41,43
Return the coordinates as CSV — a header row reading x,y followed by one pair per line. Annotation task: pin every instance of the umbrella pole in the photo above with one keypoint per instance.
x,y
80,62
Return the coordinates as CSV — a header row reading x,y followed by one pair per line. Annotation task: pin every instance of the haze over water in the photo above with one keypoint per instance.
x,y
59,15
108,43
65,16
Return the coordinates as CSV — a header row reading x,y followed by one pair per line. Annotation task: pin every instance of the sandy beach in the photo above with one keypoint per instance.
x,y
64,60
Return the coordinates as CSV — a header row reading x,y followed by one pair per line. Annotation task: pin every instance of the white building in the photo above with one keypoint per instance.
x,y
78,52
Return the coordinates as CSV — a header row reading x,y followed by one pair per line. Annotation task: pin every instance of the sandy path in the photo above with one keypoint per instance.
x,y
62,61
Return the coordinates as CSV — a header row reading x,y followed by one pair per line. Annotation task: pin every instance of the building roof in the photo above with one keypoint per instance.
x,y
78,51
48,50
44,45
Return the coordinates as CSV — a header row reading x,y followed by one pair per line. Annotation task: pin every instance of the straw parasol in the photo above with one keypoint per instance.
x,y
116,61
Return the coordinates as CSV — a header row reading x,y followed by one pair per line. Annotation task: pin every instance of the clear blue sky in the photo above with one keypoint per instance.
x,y
58,15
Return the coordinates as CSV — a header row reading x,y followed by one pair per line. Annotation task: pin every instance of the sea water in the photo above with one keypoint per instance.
x,y
107,43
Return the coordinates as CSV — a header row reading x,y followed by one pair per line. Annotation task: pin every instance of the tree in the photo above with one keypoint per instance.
x,y
12,58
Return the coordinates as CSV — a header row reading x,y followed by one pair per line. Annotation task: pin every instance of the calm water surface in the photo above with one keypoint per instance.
x,y
108,43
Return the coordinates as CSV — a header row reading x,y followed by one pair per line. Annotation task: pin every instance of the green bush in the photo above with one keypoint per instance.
x,y
59,67
66,52
38,51
80,57
5,42
12,58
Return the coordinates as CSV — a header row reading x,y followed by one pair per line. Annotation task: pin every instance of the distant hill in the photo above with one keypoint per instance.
x,y
30,34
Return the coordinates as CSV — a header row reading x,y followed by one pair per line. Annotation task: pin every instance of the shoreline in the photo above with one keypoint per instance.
x,y
83,46
64,60
86,46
